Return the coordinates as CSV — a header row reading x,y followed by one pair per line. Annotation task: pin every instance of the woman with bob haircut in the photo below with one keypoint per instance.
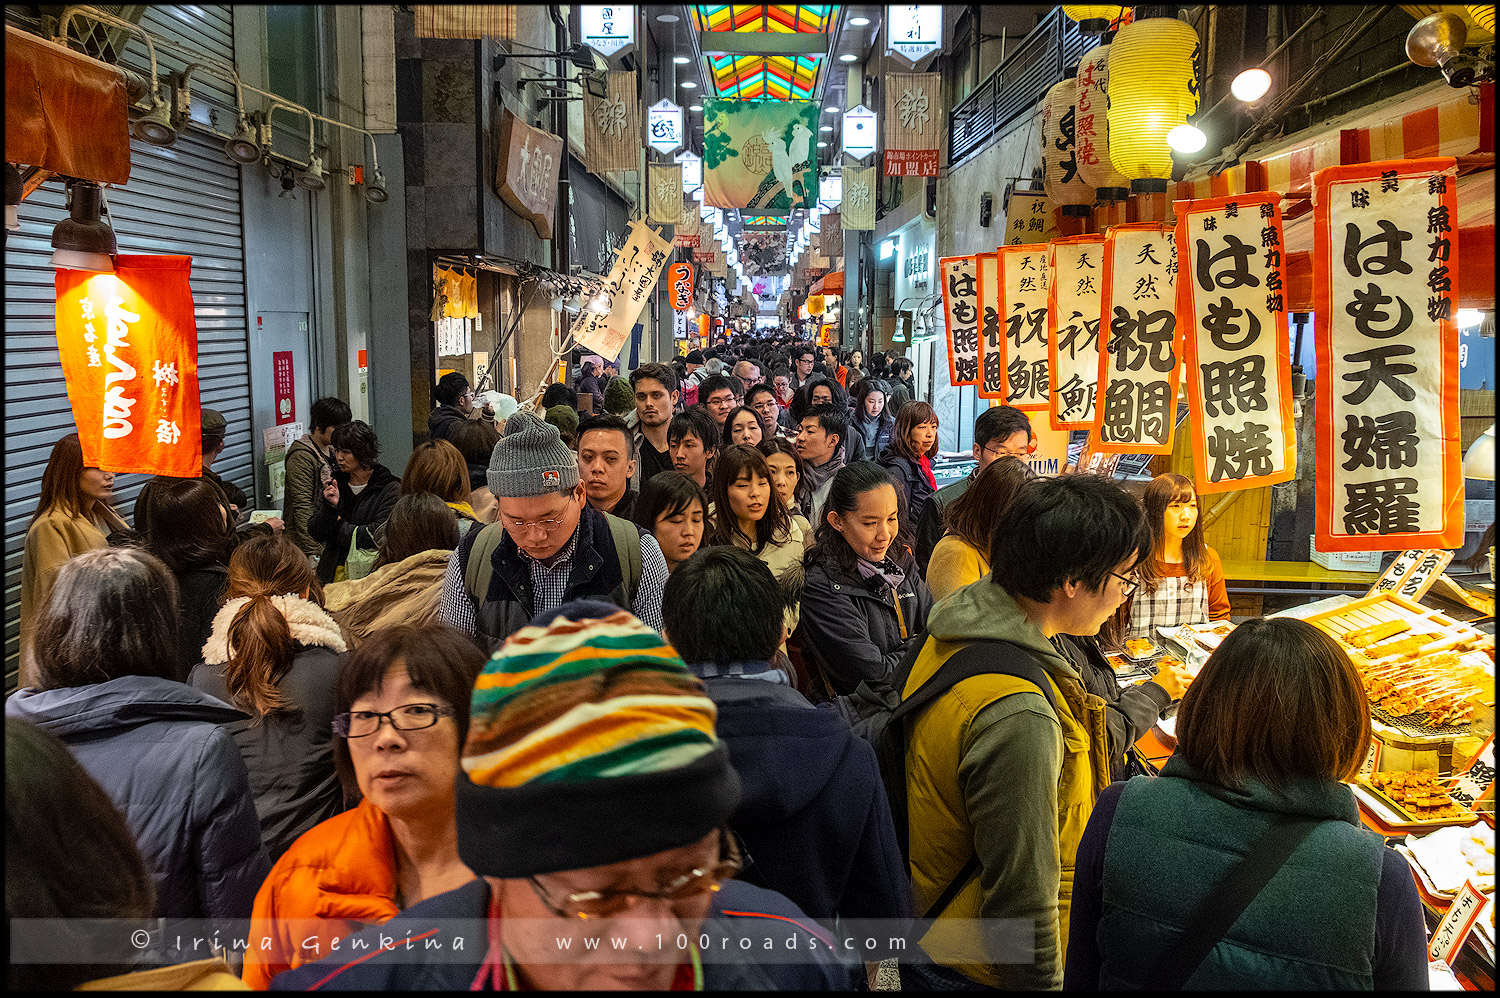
x,y
909,457
962,556
402,701
1182,582
743,426
673,508
438,467
1342,913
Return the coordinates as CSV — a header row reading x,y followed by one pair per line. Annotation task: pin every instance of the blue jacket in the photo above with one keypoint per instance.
x,y
813,816
156,748
770,921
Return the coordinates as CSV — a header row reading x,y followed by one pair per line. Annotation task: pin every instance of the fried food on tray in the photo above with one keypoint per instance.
x,y
1401,704
1137,647
1450,713
1401,646
1366,636
1424,795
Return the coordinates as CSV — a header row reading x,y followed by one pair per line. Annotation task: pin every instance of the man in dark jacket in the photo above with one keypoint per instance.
x,y
309,466
627,864
356,503
814,815
215,429
455,404
606,463
999,430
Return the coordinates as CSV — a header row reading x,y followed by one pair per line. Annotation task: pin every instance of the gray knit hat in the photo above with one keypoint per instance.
x,y
531,460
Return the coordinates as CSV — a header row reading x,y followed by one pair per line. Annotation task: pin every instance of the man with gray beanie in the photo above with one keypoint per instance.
x,y
547,546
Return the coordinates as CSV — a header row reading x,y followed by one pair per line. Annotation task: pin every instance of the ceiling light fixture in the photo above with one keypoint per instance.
x,y
288,188
681,60
1251,85
667,18
375,191
859,22
825,128
830,109
822,145
1187,139
312,178
695,107
848,57
242,147
1437,40
83,240
155,126
689,85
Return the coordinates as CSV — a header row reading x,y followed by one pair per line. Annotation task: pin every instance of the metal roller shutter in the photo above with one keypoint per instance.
x,y
181,199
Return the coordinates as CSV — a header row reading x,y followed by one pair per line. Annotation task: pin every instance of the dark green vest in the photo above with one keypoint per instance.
x,y
1174,838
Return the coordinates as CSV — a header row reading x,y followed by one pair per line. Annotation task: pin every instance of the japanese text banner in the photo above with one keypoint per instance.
x,y
961,312
1385,261
914,120
1232,306
1029,218
1024,287
991,343
129,348
637,265
1074,306
1138,343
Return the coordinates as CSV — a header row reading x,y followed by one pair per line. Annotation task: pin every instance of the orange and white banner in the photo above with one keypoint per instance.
x,y
1139,345
1025,286
129,348
637,265
961,312
1232,306
991,343
1385,263
1073,311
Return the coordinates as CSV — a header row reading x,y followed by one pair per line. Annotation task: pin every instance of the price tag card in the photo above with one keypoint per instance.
x,y
1412,573
1456,925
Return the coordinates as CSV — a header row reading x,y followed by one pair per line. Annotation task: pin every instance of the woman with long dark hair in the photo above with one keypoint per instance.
x,y
187,527
749,513
789,479
743,426
872,426
909,457
962,556
1182,582
863,602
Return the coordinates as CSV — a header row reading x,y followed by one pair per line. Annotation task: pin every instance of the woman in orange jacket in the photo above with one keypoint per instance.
x,y
403,714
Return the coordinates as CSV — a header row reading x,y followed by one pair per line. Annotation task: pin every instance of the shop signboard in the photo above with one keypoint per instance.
x,y
1232,307
760,155
961,317
607,29
664,126
665,184
1025,287
1139,353
859,132
914,119
913,31
637,265
612,125
991,344
680,286
283,387
1412,573
527,171
692,170
1073,311
1029,218
1385,261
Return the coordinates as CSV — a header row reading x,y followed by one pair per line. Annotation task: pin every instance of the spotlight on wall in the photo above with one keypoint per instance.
x,y
311,179
1251,85
1187,139
83,240
243,147
155,126
1437,41
288,187
375,191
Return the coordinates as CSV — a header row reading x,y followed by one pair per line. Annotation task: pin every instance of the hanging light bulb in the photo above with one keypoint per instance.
x,y
1187,139
312,179
83,240
288,188
1251,85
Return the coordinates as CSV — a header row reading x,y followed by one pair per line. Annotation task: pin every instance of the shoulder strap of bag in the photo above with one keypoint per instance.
x,y
1218,912
627,540
481,566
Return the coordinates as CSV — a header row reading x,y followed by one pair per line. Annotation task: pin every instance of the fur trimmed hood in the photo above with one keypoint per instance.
x,y
309,623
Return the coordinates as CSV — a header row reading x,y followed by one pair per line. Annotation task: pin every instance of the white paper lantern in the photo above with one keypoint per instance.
x,y
1059,150
1093,127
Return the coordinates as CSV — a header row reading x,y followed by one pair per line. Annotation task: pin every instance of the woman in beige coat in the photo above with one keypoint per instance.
x,y
748,512
73,516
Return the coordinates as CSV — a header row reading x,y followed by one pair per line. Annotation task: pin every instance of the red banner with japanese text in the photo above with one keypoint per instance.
x,y
991,343
129,348
1074,306
680,286
1385,262
284,386
1024,288
1139,346
1232,306
961,312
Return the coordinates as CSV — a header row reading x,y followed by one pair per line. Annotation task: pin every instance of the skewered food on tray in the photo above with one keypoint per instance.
x,y
1366,636
1423,795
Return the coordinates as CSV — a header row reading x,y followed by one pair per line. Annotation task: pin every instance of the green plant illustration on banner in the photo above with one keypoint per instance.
x,y
760,154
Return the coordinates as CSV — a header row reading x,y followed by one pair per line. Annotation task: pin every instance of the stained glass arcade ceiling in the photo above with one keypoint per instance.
x,y
777,17
779,77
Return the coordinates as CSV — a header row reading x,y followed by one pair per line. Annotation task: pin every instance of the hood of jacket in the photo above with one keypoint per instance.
x,y
126,702
984,611
309,623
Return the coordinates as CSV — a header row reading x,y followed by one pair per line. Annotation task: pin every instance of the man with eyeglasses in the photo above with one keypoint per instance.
x,y
455,405
1000,430
548,546
593,808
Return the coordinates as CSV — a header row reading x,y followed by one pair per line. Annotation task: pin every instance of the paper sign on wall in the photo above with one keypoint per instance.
x,y
1138,341
1073,310
1025,286
961,312
1029,218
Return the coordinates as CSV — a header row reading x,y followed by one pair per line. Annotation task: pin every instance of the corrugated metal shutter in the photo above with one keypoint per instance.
x,y
181,199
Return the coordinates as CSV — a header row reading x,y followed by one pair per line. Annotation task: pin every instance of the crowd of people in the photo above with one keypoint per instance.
x,y
711,658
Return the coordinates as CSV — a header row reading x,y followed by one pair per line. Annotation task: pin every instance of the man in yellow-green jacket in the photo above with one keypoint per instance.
x,y
993,769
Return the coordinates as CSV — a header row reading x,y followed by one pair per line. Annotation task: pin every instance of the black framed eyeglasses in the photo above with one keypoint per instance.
x,y
604,904
408,717
1131,584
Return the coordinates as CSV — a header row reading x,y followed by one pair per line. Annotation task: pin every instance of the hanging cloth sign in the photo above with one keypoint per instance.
x,y
612,125
465,21
858,207
1025,286
666,193
1138,342
830,239
991,343
1030,218
686,231
128,342
637,265
1232,306
680,286
961,315
913,118
1385,262
1073,309
760,155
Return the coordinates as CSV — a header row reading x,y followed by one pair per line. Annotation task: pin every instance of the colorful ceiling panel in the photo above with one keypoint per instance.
x,y
778,77
778,17
766,220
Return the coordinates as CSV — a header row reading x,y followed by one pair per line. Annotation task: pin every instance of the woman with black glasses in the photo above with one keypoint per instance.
x,y
403,714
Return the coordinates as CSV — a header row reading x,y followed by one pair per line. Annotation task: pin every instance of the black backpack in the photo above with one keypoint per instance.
x,y
879,715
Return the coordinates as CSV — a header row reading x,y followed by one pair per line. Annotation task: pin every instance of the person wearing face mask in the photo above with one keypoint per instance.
x,y
1183,580
914,443
999,430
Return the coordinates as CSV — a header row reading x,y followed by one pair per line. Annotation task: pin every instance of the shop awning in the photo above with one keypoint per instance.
x,y
831,284
64,112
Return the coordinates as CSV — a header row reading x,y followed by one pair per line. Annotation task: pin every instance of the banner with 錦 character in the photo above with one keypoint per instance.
x,y
637,265
612,125
961,315
760,154
1024,289
1232,306
1139,354
665,204
991,342
914,119
1385,263
129,348
1073,310
857,210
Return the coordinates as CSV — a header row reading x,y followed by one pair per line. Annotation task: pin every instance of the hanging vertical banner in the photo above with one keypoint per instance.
x,y
680,286
637,265
686,231
961,312
1073,309
283,387
128,342
1232,305
831,236
991,343
612,125
760,154
1385,260
666,193
858,208
913,118
1029,218
1138,343
1025,288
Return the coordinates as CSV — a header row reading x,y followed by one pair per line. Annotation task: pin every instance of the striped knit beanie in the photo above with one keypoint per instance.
x,y
589,743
